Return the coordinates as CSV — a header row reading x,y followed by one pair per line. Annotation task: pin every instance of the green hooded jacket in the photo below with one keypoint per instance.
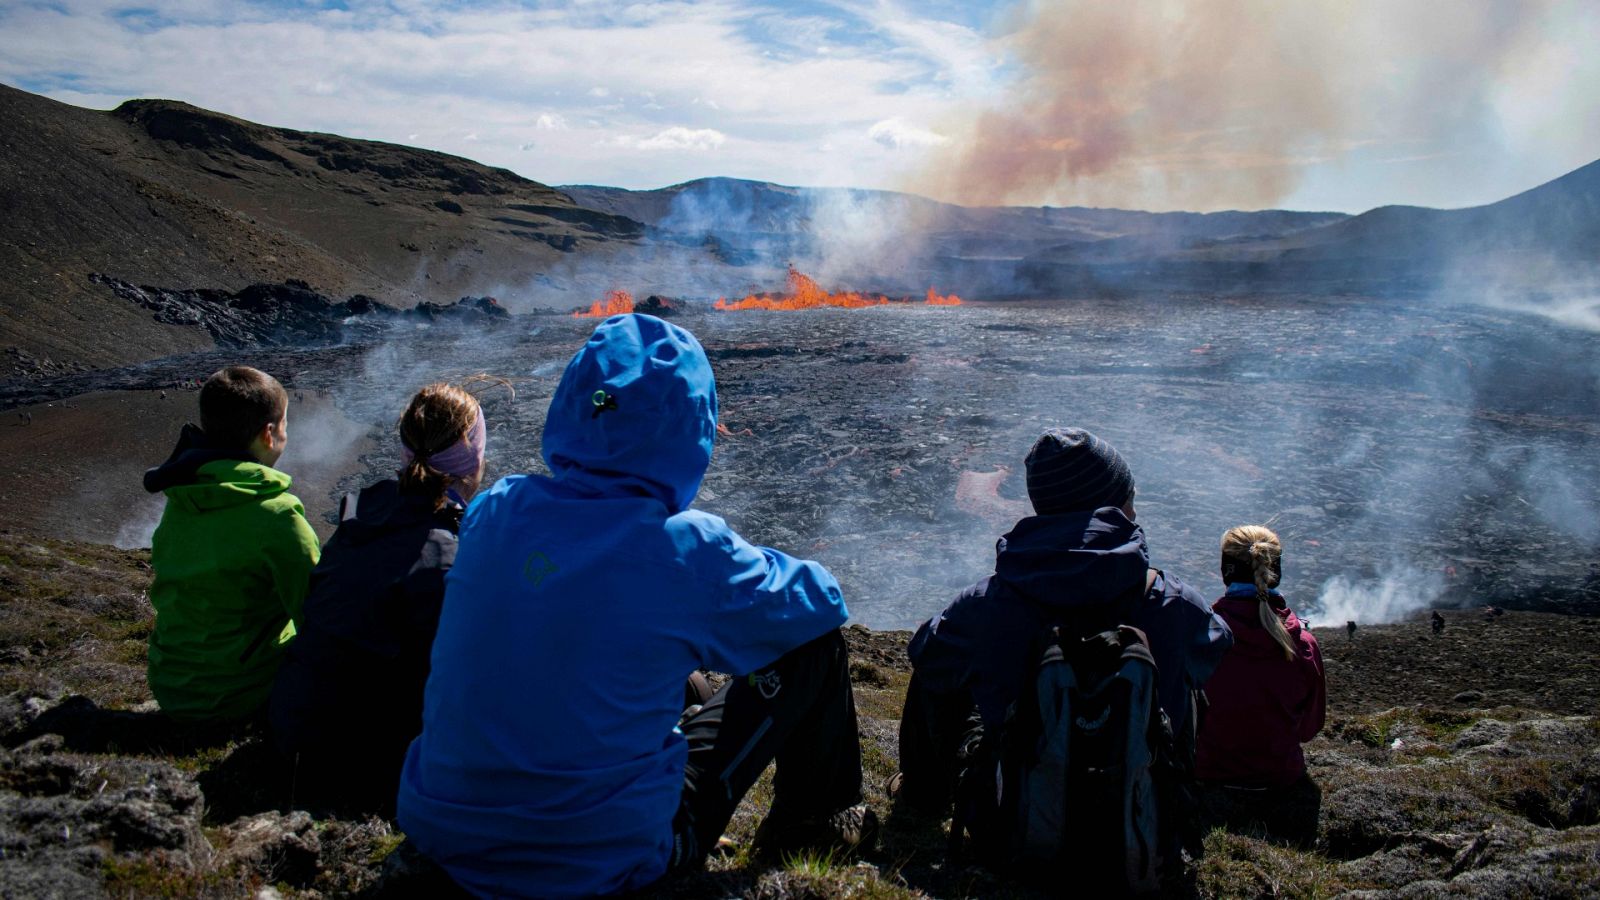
x,y
232,557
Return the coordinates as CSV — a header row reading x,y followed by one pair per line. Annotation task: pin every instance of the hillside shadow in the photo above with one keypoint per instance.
x,y
85,727
237,768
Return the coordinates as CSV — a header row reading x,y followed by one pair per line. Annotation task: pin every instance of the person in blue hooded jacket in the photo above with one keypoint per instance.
x,y
1081,554
551,761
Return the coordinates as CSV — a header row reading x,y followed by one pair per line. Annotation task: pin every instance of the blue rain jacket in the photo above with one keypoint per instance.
x,y
549,763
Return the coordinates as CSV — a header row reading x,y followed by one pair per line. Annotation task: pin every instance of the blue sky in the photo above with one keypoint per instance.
x,y
1316,104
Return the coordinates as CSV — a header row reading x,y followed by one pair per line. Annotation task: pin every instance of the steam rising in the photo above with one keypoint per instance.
x,y
1222,104
136,531
1376,601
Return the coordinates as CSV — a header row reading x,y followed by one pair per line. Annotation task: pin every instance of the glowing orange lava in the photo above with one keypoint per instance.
x,y
805,293
616,303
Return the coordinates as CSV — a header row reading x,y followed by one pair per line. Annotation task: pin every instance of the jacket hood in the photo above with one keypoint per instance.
x,y
1249,637
183,466
228,482
1073,559
635,414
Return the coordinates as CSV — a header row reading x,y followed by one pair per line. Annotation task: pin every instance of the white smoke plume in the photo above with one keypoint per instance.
x,y
136,531
1378,601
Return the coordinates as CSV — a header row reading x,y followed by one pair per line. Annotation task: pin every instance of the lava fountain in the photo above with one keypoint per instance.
x,y
805,293
616,303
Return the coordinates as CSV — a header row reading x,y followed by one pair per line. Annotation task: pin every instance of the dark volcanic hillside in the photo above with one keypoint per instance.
x,y
969,249
1555,222
163,193
763,208
1539,240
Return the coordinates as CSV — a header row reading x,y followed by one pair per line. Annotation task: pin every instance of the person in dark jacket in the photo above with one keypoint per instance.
x,y
1080,555
348,700
1267,698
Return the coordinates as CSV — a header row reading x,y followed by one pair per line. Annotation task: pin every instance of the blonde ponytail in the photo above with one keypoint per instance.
x,y
1258,547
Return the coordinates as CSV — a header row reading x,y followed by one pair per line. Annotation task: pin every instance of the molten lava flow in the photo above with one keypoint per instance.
x,y
805,293
616,303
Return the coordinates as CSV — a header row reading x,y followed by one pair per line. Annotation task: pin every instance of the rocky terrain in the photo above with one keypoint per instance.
x,y
1466,764
292,314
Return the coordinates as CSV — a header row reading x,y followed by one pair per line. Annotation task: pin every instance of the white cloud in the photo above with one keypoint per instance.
x,y
598,82
693,76
676,138
896,134
694,79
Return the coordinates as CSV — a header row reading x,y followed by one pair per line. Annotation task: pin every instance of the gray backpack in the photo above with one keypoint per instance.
x,y
1071,784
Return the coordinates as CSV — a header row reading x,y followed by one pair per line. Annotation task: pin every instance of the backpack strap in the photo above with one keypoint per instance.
x,y
347,506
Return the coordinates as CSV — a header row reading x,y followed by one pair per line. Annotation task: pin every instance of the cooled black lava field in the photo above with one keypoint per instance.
x,y
1409,455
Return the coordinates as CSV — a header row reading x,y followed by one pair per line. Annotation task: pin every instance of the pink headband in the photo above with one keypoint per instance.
x,y
461,459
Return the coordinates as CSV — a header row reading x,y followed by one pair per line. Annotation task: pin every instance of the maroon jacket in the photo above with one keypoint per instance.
x,y
1263,706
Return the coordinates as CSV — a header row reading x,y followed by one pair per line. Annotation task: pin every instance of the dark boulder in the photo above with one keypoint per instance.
x,y
657,306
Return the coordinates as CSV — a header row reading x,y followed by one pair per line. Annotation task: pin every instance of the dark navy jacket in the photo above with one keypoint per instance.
x,y
351,685
1047,569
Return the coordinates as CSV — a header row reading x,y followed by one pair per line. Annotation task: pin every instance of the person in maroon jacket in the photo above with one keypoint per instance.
x,y
1267,697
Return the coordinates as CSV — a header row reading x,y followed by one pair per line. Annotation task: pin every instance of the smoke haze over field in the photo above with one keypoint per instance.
x,y
1229,103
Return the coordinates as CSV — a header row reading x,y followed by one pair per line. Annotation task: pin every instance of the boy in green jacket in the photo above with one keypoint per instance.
x,y
232,555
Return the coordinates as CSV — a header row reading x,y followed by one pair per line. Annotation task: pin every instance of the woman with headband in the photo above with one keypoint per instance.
x,y
348,699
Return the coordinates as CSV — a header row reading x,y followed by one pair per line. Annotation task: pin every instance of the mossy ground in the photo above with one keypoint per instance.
x,y
1499,799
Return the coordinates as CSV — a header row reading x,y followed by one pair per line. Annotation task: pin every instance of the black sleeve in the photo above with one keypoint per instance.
x,y
944,651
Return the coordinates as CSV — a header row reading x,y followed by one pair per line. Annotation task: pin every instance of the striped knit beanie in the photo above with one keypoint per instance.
x,y
1071,470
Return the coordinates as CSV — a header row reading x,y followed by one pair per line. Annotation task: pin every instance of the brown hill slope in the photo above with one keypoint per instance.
x,y
160,192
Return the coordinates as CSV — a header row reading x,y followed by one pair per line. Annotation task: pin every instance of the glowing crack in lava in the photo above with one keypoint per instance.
x,y
616,303
805,293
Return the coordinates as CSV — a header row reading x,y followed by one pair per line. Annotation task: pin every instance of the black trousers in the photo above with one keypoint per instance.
x,y
799,712
939,733
1285,815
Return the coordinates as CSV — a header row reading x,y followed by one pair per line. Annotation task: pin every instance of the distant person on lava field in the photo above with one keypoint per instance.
x,y
1079,561
1267,698
552,761
348,700
1437,621
232,554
